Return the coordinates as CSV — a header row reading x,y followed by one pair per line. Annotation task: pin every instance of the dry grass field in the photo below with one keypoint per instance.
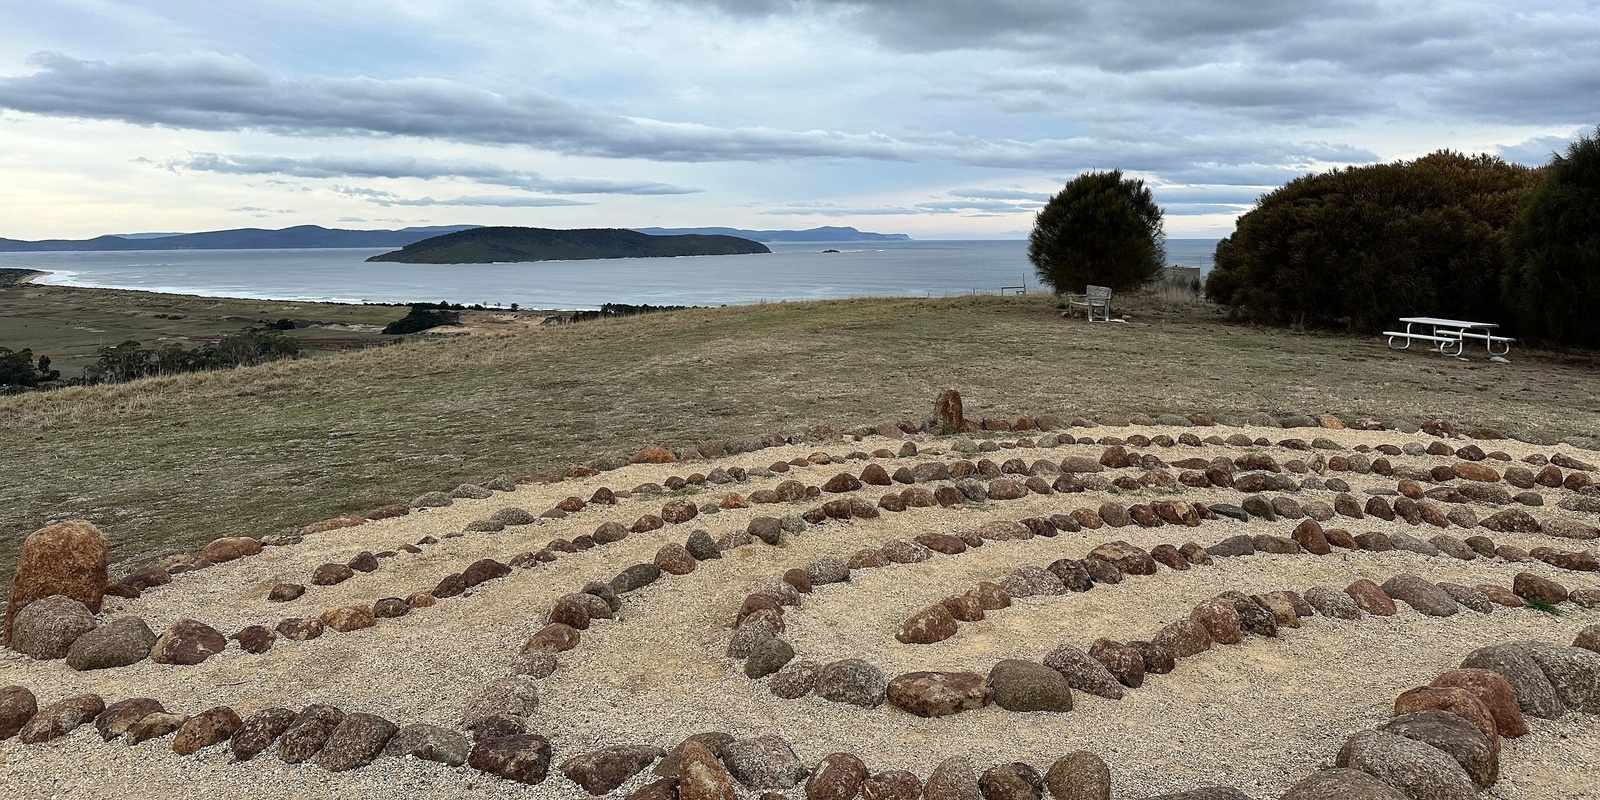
x,y
167,464
71,324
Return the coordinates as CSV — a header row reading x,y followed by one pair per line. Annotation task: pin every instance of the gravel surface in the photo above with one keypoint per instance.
x,y
1259,716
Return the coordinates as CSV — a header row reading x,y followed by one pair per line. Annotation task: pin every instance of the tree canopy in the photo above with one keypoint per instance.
x,y
1101,229
1359,247
1552,283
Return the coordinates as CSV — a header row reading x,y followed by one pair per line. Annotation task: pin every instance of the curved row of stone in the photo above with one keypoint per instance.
x,y
199,641
231,548
236,547
1443,742
1110,667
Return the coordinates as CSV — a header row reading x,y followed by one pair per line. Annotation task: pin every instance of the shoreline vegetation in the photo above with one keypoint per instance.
x,y
17,277
162,463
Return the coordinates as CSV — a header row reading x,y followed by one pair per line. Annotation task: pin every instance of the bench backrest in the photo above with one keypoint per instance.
x,y
1098,292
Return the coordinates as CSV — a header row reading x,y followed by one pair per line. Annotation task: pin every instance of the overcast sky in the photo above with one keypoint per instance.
x,y
934,118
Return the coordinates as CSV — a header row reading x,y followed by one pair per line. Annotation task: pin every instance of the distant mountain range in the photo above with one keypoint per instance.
x,y
309,236
300,236
824,234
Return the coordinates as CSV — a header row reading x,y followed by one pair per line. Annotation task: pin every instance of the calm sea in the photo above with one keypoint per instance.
x,y
790,272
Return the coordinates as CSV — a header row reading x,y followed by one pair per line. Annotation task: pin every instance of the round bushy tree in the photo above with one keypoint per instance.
x,y
1553,280
1101,229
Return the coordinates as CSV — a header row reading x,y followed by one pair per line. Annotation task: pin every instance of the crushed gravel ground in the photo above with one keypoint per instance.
x,y
1259,716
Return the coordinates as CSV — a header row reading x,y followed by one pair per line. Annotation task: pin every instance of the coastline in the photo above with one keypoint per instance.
x,y
17,277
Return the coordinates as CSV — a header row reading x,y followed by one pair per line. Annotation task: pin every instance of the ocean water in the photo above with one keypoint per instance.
x,y
799,271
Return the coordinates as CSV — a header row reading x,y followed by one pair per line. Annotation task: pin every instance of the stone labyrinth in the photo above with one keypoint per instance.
x,y
1025,608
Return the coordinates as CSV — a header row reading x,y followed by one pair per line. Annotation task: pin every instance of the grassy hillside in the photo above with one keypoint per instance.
x,y
71,324
170,463
498,245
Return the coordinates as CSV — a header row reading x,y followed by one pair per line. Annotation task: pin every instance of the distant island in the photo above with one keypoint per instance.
x,y
299,236
499,245
316,236
824,234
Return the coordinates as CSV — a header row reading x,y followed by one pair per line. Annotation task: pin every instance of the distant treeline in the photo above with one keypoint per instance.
x,y
20,371
1446,235
613,310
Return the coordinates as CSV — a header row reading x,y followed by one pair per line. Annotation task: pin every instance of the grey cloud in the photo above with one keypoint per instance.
x,y
1535,152
387,199
408,167
213,92
1478,60
258,211
1000,194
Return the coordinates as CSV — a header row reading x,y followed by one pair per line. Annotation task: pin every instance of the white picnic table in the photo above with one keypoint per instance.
x,y
1446,335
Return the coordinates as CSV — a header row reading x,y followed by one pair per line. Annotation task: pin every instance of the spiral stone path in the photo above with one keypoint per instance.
x,y
595,610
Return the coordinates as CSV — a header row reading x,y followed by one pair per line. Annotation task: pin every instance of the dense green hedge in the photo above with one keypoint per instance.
x,y
1552,283
1357,248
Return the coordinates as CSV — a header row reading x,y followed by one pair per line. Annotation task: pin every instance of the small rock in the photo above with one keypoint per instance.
x,y
1418,770
601,771
763,762
1026,686
187,642
209,727
852,681
938,694
57,719
521,757
429,743
111,723
258,731
308,733
1083,672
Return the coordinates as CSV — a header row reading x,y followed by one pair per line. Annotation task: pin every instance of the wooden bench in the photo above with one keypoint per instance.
x,y
1094,297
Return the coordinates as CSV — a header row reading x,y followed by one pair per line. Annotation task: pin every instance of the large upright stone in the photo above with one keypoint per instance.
x,y
310,730
763,763
1572,671
429,743
259,731
1083,672
67,558
1025,686
1493,692
947,409
852,681
119,716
